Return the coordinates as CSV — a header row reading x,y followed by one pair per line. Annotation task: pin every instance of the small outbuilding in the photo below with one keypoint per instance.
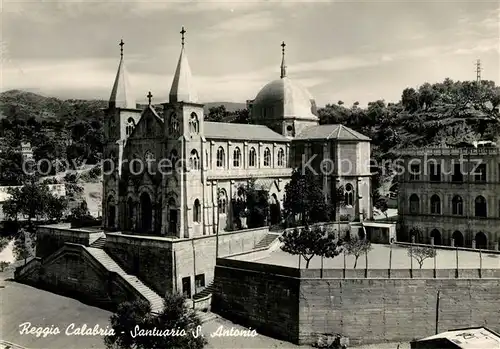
x,y
467,338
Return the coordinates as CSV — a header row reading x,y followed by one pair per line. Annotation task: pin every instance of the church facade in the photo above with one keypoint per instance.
x,y
175,175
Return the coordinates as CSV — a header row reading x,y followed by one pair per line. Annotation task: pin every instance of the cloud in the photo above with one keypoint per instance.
x,y
250,22
480,46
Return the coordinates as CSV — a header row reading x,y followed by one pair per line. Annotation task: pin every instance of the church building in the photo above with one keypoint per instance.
x,y
175,175
168,182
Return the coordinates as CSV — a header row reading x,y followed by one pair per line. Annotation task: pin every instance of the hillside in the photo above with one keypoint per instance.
x,y
24,105
432,115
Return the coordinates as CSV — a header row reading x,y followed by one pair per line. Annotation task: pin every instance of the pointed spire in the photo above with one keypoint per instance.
x,y
182,89
283,66
121,95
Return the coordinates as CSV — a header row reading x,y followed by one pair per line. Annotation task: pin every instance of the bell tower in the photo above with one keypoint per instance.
x,y
121,116
185,147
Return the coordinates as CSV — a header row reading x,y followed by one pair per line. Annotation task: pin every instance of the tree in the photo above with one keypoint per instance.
x,y
304,198
357,247
381,204
133,321
339,202
217,114
56,206
410,99
256,205
34,200
21,247
3,265
310,242
11,168
421,253
242,116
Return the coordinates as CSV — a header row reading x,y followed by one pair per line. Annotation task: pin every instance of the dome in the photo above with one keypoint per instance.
x,y
284,99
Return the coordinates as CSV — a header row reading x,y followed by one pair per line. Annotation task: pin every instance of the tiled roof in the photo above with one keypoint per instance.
x,y
222,130
338,132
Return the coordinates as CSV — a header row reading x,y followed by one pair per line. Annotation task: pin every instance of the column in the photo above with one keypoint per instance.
x,y
207,216
245,155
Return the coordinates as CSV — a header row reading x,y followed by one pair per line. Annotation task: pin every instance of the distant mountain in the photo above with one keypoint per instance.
x,y
230,106
23,105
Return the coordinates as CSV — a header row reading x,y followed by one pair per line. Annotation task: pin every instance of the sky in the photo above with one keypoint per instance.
x,y
339,50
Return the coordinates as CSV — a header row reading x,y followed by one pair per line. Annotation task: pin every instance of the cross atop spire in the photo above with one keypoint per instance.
x,y
183,31
283,66
149,97
121,47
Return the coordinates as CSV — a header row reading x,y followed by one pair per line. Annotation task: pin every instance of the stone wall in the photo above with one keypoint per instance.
x,y
149,258
197,256
368,306
52,238
258,299
162,263
377,310
75,274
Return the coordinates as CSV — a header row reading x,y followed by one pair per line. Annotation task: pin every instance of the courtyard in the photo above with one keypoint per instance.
x,y
378,258
22,303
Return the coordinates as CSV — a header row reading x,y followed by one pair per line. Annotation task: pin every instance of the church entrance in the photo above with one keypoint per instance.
x,y
111,216
146,213
172,222
274,210
130,214
111,213
158,218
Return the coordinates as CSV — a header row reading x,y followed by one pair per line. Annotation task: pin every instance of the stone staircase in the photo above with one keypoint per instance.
x,y
99,243
205,292
103,258
205,316
266,240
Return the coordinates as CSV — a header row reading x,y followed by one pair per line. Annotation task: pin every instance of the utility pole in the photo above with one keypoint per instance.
x,y
437,312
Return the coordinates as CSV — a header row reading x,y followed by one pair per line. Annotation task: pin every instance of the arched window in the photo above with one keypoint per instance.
x,y
194,124
481,241
435,204
137,165
457,205
281,157
349,195
414,204
109,164
196,211
194,160
480,206
222,201
458,238
252,157
149,156
173,127
220,157
437,236
267,157
173,158
236,157
130,126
